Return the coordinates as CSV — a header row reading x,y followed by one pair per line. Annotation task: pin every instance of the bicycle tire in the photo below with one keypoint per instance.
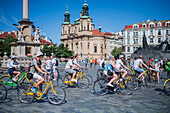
x,y
83,82
150,81
3,92
126,87
135,82
22,94
56,99
167,87
4,78
90,79
60,82
100,87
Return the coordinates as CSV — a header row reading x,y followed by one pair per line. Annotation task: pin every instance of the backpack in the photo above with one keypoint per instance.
x,y
29,65
56,64
103,65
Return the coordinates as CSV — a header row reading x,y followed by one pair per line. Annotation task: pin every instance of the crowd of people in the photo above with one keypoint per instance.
x,y
110,67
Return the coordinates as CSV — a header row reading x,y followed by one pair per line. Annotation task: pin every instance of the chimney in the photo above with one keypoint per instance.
x,y
2,31
9,32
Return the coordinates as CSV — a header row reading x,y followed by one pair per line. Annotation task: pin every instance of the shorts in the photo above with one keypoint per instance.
x,y
105,72
100,67
70,71
157,70
11,70
54,69
85,64
36,77
139,70
48,70
121,70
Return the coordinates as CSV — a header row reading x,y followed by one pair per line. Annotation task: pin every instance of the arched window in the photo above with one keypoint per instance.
x,y
68,30
101,49
95,49
81,46
75,30
81,25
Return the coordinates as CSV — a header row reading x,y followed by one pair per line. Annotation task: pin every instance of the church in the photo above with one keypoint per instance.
x,y
82,38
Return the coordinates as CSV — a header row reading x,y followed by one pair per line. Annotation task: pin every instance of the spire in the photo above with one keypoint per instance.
x,y
67,15
85,9
100,28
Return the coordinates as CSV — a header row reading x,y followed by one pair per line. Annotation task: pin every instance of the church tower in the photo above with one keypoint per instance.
x,y
85,9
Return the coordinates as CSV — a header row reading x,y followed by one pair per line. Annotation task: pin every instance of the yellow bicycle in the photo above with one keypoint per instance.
x,y
167,87
82,81
55,94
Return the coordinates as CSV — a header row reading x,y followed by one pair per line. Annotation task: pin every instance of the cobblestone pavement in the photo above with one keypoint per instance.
x,y
84,101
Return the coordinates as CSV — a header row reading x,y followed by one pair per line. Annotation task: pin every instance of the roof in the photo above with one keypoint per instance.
x,y
108,33
97,32
5,35
66,23
45,42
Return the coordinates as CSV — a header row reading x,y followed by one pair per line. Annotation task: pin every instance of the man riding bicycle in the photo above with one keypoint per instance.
x,y
36,67
110,70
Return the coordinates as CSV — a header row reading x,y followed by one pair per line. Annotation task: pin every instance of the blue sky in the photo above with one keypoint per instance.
x,y
113,15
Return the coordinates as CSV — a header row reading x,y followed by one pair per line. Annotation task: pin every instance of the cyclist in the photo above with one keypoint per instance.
x,y
139,63
69,66
120,65
55,63
36,66
110,66
48,67
12,69
157,66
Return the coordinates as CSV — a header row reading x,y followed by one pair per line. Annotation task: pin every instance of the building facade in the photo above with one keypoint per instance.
x,y
82,38
155,32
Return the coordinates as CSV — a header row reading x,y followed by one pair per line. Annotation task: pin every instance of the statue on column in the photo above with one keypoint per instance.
x,y
36,34
20,32
145,44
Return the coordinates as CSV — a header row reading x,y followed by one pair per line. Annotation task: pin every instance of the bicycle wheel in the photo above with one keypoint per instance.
x,y
56,95
99,73
100,87
61,82
83,82
25,94
150,80
90,79
126,87
4,79
167,87
3,92
135,82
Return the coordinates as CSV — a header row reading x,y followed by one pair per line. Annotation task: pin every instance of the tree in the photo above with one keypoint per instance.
x,y
48,49
63,51
117,51
5,46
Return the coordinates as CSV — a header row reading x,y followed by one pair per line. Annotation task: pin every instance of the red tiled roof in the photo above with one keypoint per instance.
x,y
5,35
45,42
108,33
128,27
97,32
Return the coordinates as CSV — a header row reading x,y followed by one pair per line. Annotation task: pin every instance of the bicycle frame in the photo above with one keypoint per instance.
x,y
40,94
166,81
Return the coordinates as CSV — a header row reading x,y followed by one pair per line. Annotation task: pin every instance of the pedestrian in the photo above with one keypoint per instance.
x,y
157,66
8,61
101,63
48,64
55,63
149,62
91,62
86,63
95,62
152,63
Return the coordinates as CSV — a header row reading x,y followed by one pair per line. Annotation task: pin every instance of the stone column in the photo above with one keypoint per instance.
x,y
25,9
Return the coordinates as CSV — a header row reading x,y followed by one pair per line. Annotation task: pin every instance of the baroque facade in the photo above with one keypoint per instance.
x,y
82,38
155,32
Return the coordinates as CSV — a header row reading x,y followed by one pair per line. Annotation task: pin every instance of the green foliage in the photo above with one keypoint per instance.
x,y
5,45
60,51
117,51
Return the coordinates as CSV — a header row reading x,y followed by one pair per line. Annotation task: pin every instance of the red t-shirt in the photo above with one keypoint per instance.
x,y
95,61
149,62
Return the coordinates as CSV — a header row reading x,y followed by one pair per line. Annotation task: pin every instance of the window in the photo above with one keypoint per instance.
x,y
128,34
128,41
72,45
166,32
101,49
143,26
136,41
151,32
88,46
159,40
105,47
69,30
159,24
143,32
136,33
81,46
128,49
151,40
159,32
133,33
81,25
95,49
75,30
133,49
151,25
88,27
81,55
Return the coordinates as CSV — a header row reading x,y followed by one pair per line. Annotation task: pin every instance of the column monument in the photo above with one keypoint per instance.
x,y
25,44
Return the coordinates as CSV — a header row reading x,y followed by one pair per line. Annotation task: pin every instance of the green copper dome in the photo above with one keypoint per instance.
x,y
85,3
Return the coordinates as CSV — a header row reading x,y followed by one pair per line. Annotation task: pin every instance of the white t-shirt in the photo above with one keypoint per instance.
x,y
119,63
8,62
137,63
156,66
54,62
100,62
75,61
69,64
48,62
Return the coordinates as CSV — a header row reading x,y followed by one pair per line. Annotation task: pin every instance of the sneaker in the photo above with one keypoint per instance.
x,y
73,80
44,96
14,80
54,79
34,89
110,85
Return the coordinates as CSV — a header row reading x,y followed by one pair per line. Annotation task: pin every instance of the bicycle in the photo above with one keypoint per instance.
x,y
82,72
3,92
150,78
122,85
82,81
7,79
167,87
55,94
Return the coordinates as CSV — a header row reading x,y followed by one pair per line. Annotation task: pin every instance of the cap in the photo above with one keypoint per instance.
x,y
39,54
121,56
156,60
111,56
